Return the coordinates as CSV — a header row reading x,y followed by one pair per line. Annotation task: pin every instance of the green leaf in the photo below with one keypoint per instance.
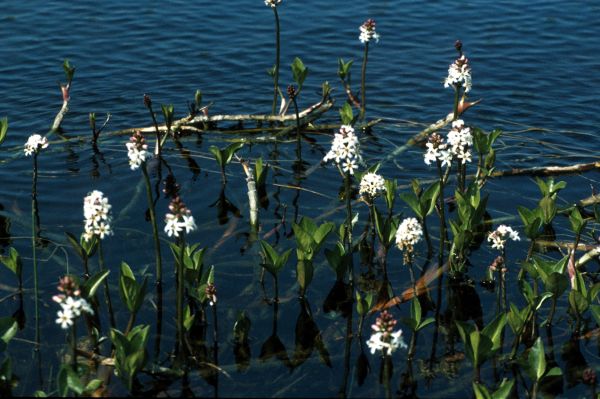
x,y
299,72
304,273
346,114
167,111
217,153
76,245
8,329
69,70
494,330
3,129
537,360
13,261
505,389
231,149
554,372
413,202
415,310
90,287
429,198
557,284
481,391
577,222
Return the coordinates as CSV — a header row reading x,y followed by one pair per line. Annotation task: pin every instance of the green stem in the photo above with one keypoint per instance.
x,y
106,287
442,216
277,55
386,377
348,235
33,247
74,345
180,291
363,77
154,225
298,143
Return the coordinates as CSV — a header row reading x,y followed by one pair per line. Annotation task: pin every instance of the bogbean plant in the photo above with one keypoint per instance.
x,y
540,280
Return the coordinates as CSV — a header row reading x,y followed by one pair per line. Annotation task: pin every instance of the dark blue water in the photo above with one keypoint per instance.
x,y
535,66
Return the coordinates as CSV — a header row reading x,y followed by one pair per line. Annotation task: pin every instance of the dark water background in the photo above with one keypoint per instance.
x,y
535,65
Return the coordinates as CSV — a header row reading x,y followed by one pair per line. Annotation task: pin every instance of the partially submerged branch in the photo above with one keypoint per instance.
x,y
547,170
65,90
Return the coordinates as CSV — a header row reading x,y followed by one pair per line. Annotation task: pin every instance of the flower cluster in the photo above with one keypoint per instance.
x,y
460,140
272,3
437,150
179,219
345,150
498,236
96,211
211,294
71,303
137,150
367,32
34,144
371,185
459,74
384,338
408,234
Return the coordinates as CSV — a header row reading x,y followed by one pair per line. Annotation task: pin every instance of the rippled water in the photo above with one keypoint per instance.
x,y
535,66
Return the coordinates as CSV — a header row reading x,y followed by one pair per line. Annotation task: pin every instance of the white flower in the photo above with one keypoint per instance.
x,y
345,150
437,150
96,211
460,140
498,236
459,74
188,223
181,218
408,234
272,3
65,318
371,185
172,227
34,144
367,32
384,338
136,150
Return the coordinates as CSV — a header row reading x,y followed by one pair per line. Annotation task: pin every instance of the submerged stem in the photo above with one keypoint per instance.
x,y
33,248
363,77
277,55
154,225
106,287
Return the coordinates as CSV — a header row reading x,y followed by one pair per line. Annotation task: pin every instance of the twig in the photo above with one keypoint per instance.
x,y
547,170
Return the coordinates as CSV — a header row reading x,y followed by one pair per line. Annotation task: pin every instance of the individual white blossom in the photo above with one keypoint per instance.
x,y
71,308
367,32
179,219
498,237
460,140
345,150
371,185
437,150
34,144
384,338
136,150
65,318
408,234
96,211
459,74
272,3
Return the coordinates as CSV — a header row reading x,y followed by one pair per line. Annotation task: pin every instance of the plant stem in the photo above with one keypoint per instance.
x,y
216,347
74,345
106,288
386,376
277,55
154,225
363,77
298,143
33,248
442,216
180,283
348,232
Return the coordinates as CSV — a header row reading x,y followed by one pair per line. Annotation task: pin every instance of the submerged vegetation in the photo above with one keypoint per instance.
x,y
439,227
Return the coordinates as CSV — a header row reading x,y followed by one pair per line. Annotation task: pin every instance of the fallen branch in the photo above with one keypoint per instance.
x,y
547,170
